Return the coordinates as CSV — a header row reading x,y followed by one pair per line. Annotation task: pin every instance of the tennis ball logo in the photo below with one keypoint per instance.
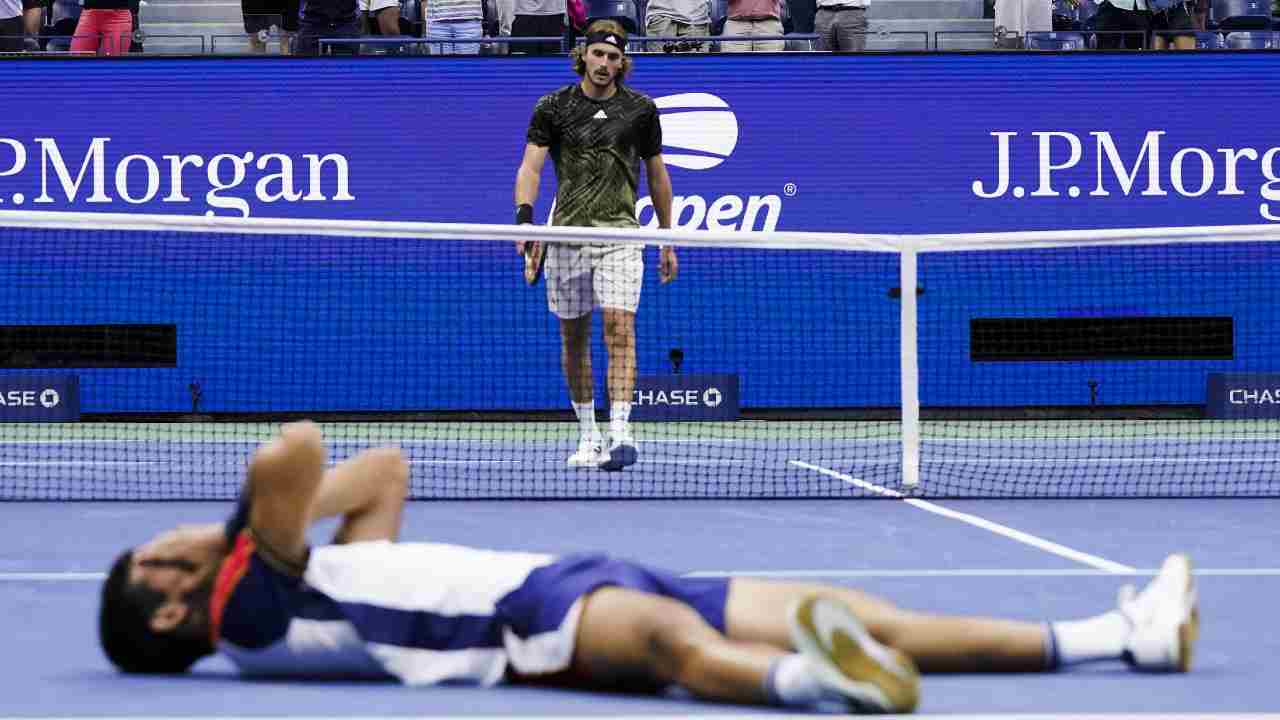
x,y
700,127
50,398
711,397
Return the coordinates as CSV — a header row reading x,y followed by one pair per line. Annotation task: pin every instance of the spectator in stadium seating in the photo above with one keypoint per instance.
x,y
327,19
1015,18
105,27
678,18
427,613
454,19
11,26
384,13
32,19
539,18
260,15
753,17
841,25
505,16
802,16
1175,25
1122,24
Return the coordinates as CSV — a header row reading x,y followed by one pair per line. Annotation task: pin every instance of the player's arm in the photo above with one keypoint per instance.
x,y
368,491
284,476
529,176
660,191
659,188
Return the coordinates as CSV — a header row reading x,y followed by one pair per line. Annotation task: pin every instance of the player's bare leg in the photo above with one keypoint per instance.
x,y
620,341
575,359
630,640
756,612
1153,630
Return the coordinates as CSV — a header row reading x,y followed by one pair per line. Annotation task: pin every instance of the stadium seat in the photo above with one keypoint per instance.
x,y
1242,14
1253,40
1210,41
624,11
1055,41
64,15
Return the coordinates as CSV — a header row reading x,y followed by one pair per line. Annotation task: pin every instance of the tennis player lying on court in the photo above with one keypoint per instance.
x,y
430,613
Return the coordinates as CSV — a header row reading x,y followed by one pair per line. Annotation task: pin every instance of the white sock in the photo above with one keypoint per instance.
x,y
586,413
619,415
1101,637
792,682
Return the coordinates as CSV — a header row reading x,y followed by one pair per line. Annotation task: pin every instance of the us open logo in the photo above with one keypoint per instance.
x,y
700,126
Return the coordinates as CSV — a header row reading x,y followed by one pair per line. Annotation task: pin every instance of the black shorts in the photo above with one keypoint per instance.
x,y
538,26
310,30
1177,17
1119,29
11,40
29,4
262,14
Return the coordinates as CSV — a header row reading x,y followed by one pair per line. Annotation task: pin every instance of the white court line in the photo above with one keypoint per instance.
x,y
975,573
465,462
784,574
690,716
693,716
78,463
1003,530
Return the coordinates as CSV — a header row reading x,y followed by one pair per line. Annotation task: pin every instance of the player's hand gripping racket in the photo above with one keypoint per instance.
x,y
535,254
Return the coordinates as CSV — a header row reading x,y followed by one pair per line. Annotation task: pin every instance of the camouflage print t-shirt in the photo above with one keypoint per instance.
x,y
597,146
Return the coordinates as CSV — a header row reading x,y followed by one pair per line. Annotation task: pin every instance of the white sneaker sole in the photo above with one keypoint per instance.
x,y
1179,622
871,677
592,462
1189,621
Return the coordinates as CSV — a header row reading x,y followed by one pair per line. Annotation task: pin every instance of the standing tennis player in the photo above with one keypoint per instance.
x,y
597,131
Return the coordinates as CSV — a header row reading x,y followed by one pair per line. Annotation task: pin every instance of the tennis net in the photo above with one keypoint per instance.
x,y
1113,363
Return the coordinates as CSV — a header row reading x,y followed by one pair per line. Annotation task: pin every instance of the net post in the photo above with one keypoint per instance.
x,y
909,368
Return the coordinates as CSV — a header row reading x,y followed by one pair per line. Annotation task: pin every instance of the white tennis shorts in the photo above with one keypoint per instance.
x,y
376,5
581,278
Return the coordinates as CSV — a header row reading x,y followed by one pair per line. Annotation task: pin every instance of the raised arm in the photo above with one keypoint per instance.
x,y
368,491
284,476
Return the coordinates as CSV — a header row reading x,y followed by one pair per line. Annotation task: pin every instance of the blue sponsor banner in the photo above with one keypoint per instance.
x,y
685,397
1243,396
1012,141
39,398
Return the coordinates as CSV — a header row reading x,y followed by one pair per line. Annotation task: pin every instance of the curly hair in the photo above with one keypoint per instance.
x,y
577,56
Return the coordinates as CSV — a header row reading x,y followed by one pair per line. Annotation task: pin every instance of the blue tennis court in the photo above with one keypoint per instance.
x,y
51,570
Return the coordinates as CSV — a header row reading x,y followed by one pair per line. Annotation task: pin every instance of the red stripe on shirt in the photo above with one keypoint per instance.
x,y
230,573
